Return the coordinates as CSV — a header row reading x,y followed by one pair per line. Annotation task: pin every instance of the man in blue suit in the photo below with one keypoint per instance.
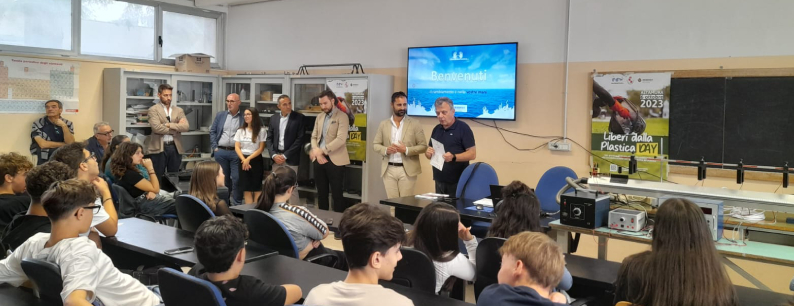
x,y
222,133
285,139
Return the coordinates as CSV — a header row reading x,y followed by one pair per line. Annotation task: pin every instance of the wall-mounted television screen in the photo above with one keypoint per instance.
x,y
479,79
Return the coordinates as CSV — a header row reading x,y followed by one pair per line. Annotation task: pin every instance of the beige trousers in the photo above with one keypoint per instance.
x,y
294,199
398,183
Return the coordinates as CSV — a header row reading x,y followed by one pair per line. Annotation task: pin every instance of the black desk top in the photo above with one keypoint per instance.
x,y
10,295
152,239
279,270
412,203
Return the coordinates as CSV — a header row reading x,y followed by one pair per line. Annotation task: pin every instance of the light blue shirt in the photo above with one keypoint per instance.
x,y
230,127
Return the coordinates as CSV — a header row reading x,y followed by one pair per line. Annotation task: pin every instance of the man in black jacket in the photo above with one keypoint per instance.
x,y
285,138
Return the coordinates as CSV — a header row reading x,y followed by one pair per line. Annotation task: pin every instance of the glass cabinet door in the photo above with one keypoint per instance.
x,y
304,93
141,93
241,87
195,95
266,95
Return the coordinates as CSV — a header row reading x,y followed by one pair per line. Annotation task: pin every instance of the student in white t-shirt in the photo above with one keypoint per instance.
x,y
88,274
249,142
371,239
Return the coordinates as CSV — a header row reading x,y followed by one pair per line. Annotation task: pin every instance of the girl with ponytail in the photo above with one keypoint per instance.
x,y
306,228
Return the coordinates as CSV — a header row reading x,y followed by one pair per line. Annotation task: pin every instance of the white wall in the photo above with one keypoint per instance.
x,y
621,30
286,34
376,33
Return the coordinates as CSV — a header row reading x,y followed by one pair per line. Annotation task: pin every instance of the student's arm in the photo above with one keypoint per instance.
x,y
111,225
294,294
222,209
10,268
153,185
341,135
77,298
237,149
261,146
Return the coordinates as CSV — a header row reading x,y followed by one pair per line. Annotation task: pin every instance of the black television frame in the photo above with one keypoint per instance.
x,y
515,80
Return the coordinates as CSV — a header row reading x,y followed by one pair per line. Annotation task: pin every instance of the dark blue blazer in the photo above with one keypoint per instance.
x,y
293,137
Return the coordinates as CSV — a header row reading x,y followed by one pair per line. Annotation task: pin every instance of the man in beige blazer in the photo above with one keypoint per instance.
x,y
329,151
164,145
400,140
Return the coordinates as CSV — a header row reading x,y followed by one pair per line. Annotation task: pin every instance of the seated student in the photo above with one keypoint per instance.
x,y
682,267
204,182
13,200
371,239
145,192
306,228
86,168
436,234
105,164
220,248
532,264
35,221
518,212
88,274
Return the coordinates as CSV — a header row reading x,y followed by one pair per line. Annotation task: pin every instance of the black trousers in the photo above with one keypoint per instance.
x,y
333,175
167,161
447,188
341,264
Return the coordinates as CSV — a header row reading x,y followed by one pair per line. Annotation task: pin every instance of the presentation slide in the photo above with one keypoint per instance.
x,y
479,79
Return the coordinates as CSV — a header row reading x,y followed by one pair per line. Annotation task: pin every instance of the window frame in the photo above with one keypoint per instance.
x,y
75,51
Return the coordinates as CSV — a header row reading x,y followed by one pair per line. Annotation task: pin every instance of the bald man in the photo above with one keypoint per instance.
x,y
222,133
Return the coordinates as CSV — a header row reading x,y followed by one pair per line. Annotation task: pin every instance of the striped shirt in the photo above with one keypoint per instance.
x,y
300,222
48,131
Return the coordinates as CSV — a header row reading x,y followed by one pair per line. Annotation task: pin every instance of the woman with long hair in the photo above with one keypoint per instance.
x,y
105,164
436,232
519,211
307,229
145,192
204,182
682,267
249,142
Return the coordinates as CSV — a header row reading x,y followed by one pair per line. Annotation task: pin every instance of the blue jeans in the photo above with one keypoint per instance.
x,y
230,164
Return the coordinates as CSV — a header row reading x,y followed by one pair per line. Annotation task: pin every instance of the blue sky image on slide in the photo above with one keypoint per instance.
x,y
480,80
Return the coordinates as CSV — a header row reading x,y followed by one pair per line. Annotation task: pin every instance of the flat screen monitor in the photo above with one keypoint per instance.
x,y
479,79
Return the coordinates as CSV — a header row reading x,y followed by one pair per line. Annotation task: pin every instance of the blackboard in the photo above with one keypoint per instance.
x,y
728,119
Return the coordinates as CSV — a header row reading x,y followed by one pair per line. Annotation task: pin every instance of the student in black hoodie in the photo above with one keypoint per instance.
x,y
532,264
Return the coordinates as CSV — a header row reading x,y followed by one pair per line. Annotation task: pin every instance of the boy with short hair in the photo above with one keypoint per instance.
x,y
35,220
13,200
371,239
532,264
220,248
88,274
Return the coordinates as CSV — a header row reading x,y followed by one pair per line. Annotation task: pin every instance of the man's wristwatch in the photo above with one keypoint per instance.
x,y
454,157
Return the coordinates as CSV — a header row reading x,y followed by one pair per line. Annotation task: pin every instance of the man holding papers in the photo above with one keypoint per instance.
x,y
457,139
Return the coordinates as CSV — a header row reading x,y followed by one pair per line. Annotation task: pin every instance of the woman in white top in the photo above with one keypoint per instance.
x,y
249,142
436,234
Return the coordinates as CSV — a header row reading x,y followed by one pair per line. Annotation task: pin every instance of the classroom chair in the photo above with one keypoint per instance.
x,y
46,279
192,212
416,271
488,264
180,289
474,184
265,229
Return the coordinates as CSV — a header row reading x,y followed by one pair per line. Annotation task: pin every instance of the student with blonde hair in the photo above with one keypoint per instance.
x,y
204,182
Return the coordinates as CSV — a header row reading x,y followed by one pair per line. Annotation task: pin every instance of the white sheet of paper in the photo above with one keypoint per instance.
x,y
437,160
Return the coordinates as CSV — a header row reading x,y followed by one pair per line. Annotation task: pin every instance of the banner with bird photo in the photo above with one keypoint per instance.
x,y
631,116
351,98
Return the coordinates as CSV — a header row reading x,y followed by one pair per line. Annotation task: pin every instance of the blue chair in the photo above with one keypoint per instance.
x,y
474,184
550,184
266,230
192,212
180,289
46,278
